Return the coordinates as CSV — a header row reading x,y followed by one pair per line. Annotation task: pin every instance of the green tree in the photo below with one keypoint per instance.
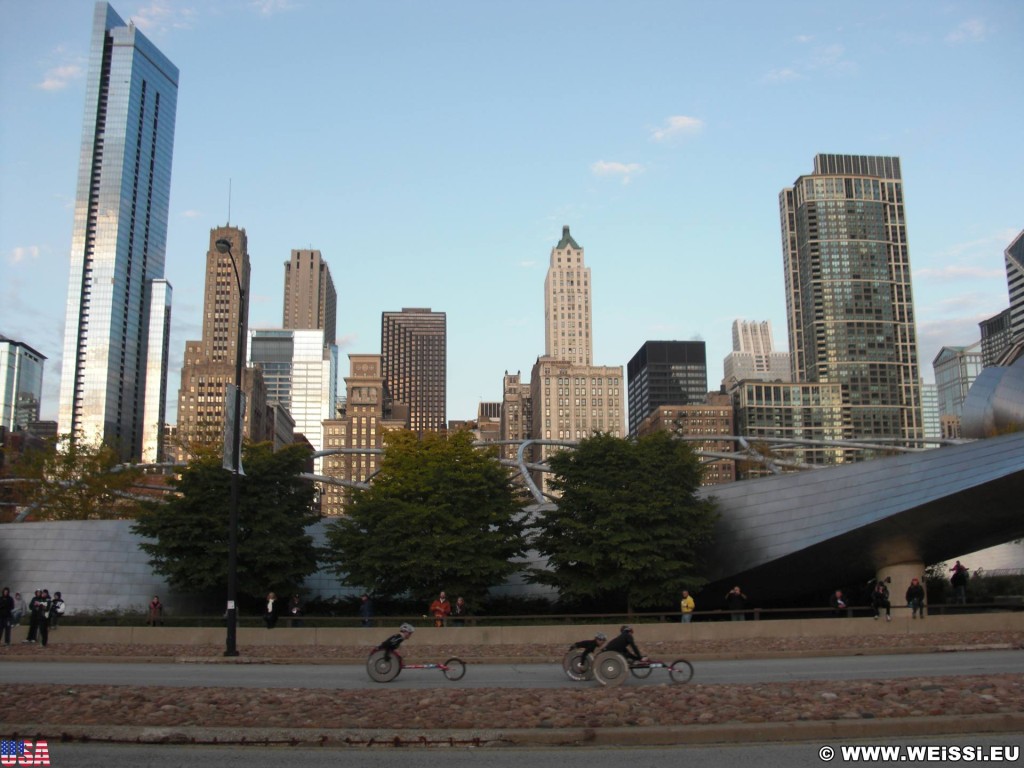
x,y
629,528
188,535
75,480
440,514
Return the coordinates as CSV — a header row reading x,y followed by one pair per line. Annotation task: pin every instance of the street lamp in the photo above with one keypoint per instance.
x,y
224,246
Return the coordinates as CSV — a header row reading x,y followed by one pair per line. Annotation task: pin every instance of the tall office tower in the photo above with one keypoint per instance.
x,y
1014,256
300,372
112,349
753,355
848,293
310,300
366,418
209,365
955,369
21,384
665,373
414,356
516,413
567,316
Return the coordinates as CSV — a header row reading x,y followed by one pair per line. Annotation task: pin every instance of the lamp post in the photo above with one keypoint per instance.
x,y
224,246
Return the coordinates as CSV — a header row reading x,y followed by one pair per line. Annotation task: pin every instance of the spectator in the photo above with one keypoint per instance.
x,y
959,582
273,610
687,606
736,601
880,600
915,598
6,615
56,610
156,612
295,612
366,610
459,612
440,609
838,603
19,609
41,617
33,617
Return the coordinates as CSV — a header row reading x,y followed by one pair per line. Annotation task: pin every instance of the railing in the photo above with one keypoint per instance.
x,y
1000,604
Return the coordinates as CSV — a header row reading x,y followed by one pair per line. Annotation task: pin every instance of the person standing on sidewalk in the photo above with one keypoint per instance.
x,y
6,615
686,607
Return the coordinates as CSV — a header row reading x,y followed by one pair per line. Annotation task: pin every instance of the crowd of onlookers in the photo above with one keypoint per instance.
x,y
43,613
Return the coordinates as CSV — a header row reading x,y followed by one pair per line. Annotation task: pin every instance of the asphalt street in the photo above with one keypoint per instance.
x,y
507,675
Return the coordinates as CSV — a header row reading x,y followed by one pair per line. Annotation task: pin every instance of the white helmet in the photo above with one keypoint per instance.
x,y
407,628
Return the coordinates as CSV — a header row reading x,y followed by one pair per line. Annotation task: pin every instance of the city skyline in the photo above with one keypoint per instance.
x,y
433,162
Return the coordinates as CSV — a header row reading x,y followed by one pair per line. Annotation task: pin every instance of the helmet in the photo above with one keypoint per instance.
x,y
600,637
626,628
407,628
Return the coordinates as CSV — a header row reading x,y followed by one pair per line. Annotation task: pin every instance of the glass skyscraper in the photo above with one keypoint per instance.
x,y
21,383
115,338
849,302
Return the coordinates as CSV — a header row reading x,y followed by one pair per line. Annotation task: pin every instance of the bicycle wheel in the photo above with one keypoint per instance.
x,y
681,671
454,669
640,672
577,665
381,668
611,668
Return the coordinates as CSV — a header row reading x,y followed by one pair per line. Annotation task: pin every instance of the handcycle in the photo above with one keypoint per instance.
x,y
610,667
383,667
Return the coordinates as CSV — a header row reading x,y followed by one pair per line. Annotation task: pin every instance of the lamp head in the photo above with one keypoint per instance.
x,y
223,246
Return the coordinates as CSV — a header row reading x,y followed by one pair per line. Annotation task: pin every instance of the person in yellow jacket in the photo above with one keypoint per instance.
x,y
686,606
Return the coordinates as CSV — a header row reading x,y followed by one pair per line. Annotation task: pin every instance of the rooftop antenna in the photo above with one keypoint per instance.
x,y
229,202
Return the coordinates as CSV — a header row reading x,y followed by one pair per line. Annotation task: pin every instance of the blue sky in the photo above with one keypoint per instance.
x,y
434,150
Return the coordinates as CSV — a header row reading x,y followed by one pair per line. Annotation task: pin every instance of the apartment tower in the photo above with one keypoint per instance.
x,y
21,384
849,301
414,357
118,313
665,373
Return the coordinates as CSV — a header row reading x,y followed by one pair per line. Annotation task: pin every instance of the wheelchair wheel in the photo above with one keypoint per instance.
x,y
611,668
639,672
681,671
577,665
456,668
381,668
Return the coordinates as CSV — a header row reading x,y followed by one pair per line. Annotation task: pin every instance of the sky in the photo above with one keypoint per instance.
x,y
433,151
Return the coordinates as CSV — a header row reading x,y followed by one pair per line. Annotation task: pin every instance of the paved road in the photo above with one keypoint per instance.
x,y
794,755
508,675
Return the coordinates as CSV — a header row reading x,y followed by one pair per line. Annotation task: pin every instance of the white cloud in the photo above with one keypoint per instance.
x,y
20,253
527,264
159,16
59,78
270,7
677,125
783,75
970,31
191,214
610,168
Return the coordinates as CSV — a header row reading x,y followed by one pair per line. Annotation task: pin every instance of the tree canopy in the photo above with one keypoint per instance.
x,y
74,480
440,515
188,535
629,527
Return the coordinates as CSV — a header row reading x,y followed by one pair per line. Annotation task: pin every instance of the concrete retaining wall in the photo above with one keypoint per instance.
x,y
543,634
